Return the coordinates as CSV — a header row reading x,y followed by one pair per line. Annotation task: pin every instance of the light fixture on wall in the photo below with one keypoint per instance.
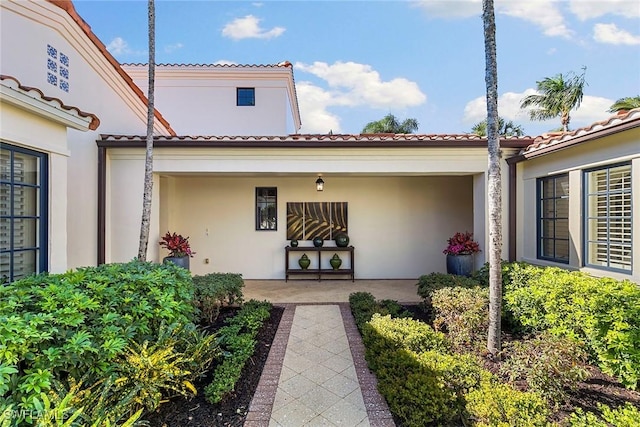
x,y
319,184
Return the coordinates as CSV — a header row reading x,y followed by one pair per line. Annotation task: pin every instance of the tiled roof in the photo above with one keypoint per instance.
x,y
67,5
278,65
299,140
56,102
554,141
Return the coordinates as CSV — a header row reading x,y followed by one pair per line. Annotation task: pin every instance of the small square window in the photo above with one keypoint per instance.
x,y
266,208
245,96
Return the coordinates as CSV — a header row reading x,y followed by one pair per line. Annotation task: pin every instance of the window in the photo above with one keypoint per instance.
x,y
266,208
245,96
23,212
553,218
608,217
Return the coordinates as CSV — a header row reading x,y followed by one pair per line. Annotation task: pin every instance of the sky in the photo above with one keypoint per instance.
x,y
357,61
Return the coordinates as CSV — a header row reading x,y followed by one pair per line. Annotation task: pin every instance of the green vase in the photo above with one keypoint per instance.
x,y
335,262
304,262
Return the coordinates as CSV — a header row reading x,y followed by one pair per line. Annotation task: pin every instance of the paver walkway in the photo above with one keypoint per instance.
x,y
316,374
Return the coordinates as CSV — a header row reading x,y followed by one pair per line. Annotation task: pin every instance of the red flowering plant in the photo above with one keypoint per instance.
x,y
177,245
462,244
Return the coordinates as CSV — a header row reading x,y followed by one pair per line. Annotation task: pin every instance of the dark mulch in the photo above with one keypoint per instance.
x,y
232,411
197,412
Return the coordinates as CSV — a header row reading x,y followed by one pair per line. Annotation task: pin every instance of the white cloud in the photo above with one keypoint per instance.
x,y
359,84
249,28
225,62
592,109
173,47
611,34
543,13
589,9
119,46
350,84
314,102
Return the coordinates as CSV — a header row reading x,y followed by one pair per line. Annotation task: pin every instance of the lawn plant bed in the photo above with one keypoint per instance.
x,y
412,370
231,411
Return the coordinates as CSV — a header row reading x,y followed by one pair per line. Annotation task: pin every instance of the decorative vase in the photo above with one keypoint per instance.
x,y
335,262
294,243
304,262
342,240
461,265
180,261
318,242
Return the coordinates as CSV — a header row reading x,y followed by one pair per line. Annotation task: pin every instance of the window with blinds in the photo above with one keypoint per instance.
x,y
553,218
608,217
22,212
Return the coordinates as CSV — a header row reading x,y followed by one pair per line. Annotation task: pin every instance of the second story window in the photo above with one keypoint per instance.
x,y
245,96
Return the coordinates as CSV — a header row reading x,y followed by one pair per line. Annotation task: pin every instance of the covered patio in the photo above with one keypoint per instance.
x,y
329,291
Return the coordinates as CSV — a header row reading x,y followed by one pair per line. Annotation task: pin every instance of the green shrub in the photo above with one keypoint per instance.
x,y
237,342
215,290
415,393
363,305
498,405
60,325
464,314
624,416
602,312
429,283
385,333
550,365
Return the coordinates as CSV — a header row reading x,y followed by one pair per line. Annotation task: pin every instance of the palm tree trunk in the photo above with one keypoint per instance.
x,y
148,162
495,183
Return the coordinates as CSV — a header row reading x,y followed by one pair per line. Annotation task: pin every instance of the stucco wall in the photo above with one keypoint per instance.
x,y
398,225
94,86
211,94
621,147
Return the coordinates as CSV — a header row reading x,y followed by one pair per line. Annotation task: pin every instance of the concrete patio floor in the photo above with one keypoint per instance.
x,y
325,291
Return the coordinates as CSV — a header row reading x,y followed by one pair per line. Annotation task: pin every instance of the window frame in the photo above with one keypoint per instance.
x,y
259,204
540,218
241,100
586,217
42,211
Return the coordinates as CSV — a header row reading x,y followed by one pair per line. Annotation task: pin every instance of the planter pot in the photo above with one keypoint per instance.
x,y
462,265
182,261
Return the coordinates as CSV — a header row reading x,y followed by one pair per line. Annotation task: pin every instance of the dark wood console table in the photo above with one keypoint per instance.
x,y
316,268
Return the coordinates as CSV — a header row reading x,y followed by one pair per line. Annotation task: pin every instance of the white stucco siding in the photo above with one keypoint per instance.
x,y
24,129
94,86
621,147
201,100
398,225
403,204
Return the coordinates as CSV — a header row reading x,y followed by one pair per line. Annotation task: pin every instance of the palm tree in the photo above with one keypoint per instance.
x,y
390,124
556,97
505,129
148,162
494,190
625,104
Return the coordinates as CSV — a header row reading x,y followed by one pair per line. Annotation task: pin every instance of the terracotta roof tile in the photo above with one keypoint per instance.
x,y
323,140
558,140
67,5
37,93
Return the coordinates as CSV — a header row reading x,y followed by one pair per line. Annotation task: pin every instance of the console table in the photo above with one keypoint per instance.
x,y
323,253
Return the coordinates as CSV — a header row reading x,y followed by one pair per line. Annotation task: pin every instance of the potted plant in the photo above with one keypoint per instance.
x,y
460,250
179,249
